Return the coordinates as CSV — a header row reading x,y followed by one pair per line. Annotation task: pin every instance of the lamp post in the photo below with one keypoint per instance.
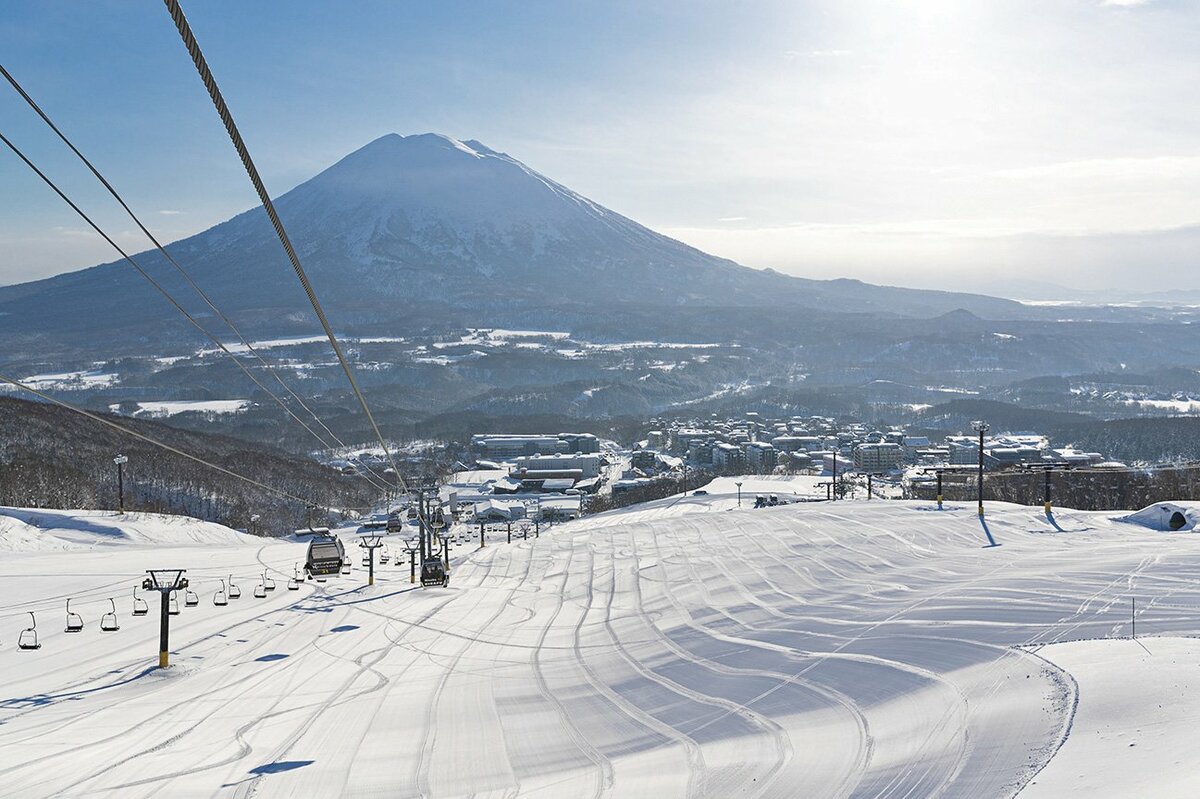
x,y
121,460
739,488
980,427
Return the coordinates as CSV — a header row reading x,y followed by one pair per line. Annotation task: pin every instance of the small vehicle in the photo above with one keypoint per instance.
x,y
433,573
700,493
325,556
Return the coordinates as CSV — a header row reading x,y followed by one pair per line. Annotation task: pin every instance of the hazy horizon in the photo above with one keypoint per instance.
x,y
1013,149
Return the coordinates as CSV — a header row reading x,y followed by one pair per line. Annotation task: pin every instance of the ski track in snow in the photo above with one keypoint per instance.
x,y
681,648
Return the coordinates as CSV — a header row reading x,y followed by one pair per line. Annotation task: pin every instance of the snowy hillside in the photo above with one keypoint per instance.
x,y
678,648
406,224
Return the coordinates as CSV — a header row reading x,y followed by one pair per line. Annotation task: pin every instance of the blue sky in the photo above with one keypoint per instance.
x,y
981,145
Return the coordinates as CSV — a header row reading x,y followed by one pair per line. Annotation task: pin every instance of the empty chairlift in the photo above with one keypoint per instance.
x,y
268,582
234,591
293,583
108,622
29,638
190,598
220,597
173,604
260,590
140,608
74,620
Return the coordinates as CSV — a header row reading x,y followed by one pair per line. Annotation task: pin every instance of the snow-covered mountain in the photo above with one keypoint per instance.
x,y
415,228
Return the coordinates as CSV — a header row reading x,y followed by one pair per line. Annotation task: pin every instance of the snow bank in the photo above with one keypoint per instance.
x,y
1167,516
1133,729
40,529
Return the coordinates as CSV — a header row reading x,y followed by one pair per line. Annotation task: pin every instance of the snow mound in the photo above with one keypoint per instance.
x,y
41,529
1167,516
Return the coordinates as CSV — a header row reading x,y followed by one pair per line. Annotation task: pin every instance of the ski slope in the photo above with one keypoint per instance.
x,y
681,648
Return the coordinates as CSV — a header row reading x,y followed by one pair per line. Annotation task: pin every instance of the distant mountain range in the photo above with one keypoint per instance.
x,y
414,231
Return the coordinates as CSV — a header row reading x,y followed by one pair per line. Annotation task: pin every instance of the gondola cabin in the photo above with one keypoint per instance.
x,y
325,556
433,573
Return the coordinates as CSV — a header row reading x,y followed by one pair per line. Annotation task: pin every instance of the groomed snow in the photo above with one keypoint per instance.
x,y
1133,732
678,648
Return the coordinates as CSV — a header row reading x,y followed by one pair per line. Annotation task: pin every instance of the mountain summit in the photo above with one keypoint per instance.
x,y
431,228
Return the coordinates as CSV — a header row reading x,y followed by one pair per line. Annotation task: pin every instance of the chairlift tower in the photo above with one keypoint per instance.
x,y
412,549
165,582
371,543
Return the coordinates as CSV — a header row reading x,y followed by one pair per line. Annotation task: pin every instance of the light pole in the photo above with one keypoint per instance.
x,y
739,488
980,427
121,460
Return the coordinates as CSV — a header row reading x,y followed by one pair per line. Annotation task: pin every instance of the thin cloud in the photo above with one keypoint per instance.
x,y
733,219
170,213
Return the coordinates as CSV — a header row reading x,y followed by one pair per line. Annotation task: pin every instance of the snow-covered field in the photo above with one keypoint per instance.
x,y
677,648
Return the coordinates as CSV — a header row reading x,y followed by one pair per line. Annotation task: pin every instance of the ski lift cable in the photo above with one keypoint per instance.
x,y
214,92
142,437
158,286
171,259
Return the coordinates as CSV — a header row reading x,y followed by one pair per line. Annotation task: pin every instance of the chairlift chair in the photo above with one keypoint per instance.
x,y
384,557
28,638
366,561
74,620
260,591
268,582
140,608
108,622
190,598
346,566
233,591
293,583
220,597
172,604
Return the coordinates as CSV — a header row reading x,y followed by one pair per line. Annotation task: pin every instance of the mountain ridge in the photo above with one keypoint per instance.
x,y
407,224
